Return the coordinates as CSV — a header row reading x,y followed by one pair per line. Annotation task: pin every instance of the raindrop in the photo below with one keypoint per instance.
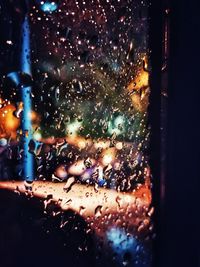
x,y
126,258
68,32
79,118
55,178
70,155
3,142
57,93
131,53
119,201
150,212
77,86
82,210
98,211
68,186
96,186
18,79
88,163
28,185
61,172
32,146
61,148
65,33
68,202
122,14
107,171
104,127
18,112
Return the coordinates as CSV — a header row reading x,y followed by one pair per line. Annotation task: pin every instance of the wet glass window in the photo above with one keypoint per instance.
x,y
74,122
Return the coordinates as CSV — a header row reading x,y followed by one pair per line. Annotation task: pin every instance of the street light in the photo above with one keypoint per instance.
x,y
25,67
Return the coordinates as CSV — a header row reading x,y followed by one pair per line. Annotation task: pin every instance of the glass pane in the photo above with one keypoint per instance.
x,y
74,126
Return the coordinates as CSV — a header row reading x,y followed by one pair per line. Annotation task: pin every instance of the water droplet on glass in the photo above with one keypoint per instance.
x,y
18,79
3,142
88,163
126,259
98,211
28,185
77,86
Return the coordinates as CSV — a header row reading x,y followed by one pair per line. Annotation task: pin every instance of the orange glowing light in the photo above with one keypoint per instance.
x,y
108,156
141,80
35,118
139,88
8,122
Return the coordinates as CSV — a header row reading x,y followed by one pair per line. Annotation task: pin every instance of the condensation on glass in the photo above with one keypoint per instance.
x,y
84,86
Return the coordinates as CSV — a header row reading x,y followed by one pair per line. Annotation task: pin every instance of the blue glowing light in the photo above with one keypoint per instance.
x,y
48,6
124,245
26,99
120,240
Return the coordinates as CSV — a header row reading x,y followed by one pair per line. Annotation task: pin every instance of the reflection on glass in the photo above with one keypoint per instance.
x,y
89,121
